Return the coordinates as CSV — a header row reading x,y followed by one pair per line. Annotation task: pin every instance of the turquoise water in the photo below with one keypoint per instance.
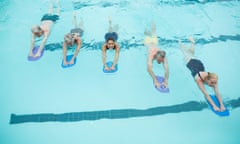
x,y
44,87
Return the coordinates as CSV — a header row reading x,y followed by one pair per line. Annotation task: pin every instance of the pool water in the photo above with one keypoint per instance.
x,y
44,87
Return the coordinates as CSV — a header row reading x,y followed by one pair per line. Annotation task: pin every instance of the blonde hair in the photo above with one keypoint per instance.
x,y
211,76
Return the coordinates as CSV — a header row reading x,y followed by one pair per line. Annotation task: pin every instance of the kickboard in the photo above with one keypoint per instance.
x,y
109,64
68,58
162,88
215,100
35,50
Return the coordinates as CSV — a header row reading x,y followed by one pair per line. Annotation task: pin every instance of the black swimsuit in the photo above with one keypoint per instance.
x,y
111,35
195,66
78,31
50,17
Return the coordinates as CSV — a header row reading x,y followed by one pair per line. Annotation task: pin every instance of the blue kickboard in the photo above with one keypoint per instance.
x,y
215,100
109,64
68,58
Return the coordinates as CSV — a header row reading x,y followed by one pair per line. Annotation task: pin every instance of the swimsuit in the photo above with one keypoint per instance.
x,y
78,31
151,40
50,17
195,66
111,35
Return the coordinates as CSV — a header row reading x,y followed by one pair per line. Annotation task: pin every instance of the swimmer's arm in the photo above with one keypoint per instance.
x,y
64,51
79,44
116,55
32,43
166,75
104,55
201,87
150,71
43,42
218,94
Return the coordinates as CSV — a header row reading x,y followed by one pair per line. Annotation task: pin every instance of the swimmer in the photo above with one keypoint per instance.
x,y
111,44
44,28
73,38
155,54
200,76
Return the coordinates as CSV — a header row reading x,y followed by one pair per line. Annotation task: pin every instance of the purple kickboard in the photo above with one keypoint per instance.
x,y
35,50
162,88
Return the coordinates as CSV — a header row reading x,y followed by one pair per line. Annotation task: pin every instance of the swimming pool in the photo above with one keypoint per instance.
x,y
43,87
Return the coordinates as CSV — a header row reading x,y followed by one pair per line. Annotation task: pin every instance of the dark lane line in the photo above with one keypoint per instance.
x,y
115,113
134,43
122,4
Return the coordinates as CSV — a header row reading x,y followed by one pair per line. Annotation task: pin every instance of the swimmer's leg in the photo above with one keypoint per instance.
x,y
154,29
110,28
187,55
50,9
57,4
75,20
81,23
192,47
115,28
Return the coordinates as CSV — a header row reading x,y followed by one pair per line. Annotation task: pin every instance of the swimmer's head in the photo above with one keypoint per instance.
x,y
160,55
211,79
68,39
110,43
37,31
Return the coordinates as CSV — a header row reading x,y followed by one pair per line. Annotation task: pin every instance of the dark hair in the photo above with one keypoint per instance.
x,y
161,54
110,39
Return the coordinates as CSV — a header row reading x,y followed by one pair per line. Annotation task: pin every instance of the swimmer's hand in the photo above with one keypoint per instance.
x,y
222,107
164,84
65,63
106,68
38,54
112,68
71,62
216,108
157,84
